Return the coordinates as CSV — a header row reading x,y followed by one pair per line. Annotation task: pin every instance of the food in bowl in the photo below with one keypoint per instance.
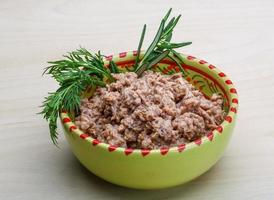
x,y
150,112
162,164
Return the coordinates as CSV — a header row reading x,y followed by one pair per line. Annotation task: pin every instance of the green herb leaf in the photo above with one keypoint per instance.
x,y
140,45
160,45
74,74
154,42
113,67
152,62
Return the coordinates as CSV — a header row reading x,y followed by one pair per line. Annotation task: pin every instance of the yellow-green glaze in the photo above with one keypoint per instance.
x,y
159,169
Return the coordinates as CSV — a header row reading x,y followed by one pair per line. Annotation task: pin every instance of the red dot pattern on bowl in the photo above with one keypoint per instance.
x,y
198,141
219,129
84,136
233,90
72,127
228,82
191,57
210,136
233,109
211,67
181,147
235,101
66,120
122,54
228,119
128,151
202,62
109,57
163,151
95,142
145,152
111,148
221,74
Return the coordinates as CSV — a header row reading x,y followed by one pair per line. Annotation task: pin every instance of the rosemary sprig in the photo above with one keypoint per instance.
x,y
160,45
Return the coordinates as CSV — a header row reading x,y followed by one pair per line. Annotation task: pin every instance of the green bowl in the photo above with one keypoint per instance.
x,y
162,168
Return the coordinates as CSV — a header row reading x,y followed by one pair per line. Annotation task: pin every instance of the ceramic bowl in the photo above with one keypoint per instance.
x,y
166,167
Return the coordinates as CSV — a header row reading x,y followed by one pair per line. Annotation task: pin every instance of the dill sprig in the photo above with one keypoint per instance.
x,y
81,69
161,47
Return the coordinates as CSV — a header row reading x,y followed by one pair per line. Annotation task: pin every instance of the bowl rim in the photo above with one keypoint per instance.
x,y
230,92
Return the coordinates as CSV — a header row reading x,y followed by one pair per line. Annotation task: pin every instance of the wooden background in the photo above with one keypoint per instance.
x,y
236,35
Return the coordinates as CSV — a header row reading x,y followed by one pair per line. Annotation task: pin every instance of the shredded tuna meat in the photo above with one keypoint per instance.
x,y
149,112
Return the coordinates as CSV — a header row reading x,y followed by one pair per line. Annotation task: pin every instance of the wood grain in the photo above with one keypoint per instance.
x,y
237,36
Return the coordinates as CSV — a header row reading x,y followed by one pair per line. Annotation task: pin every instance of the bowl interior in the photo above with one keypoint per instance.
x,y
198,72
204,76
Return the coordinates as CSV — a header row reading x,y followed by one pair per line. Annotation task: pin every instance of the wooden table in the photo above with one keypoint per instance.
x,y
236,35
